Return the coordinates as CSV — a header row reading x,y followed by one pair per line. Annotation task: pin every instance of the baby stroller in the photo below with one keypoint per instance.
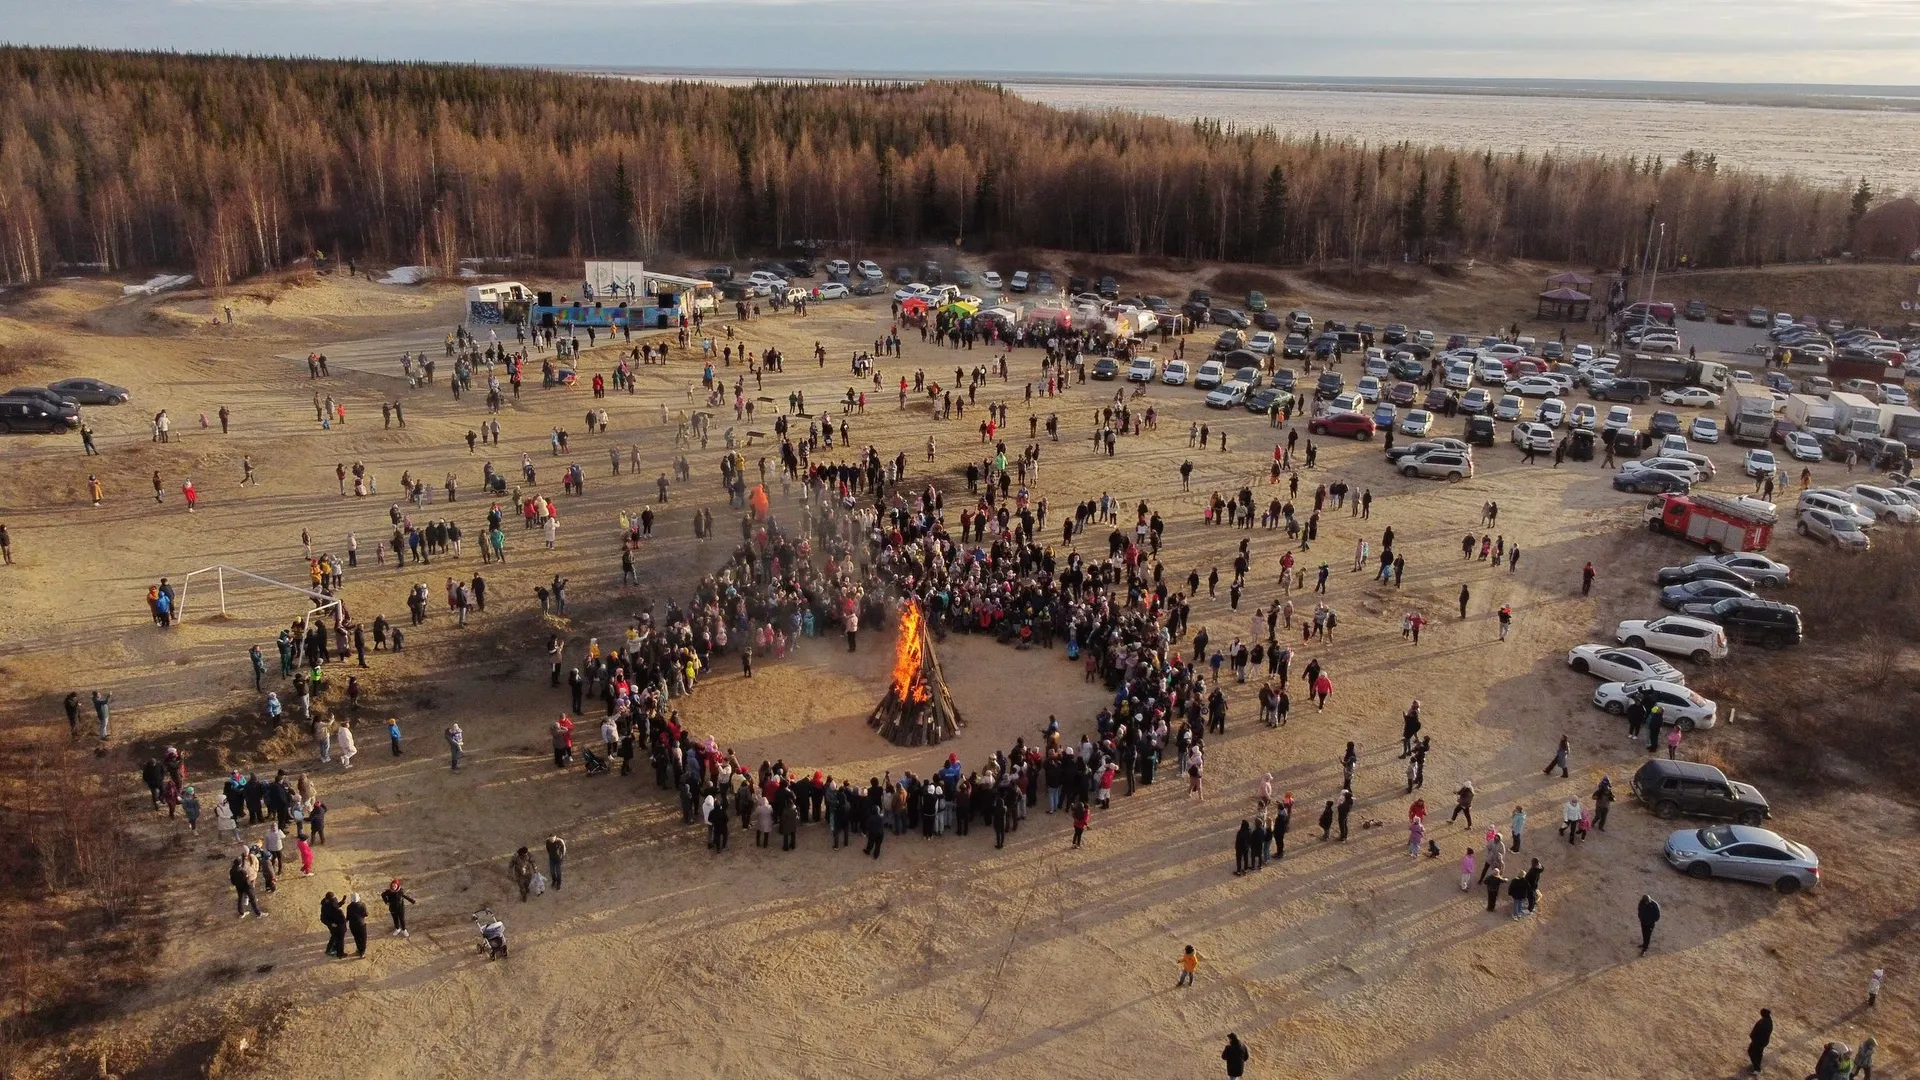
x,y
493,934
596,765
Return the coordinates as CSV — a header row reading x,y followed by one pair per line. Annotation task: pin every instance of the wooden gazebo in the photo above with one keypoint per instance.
x,y
1564,304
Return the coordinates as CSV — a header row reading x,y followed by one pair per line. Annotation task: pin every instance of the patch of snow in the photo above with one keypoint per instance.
x,y
407,275
158,284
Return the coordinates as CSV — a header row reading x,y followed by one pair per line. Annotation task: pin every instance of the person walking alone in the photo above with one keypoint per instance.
x,y
1559,761
1235,1055
1758,1038
1649,918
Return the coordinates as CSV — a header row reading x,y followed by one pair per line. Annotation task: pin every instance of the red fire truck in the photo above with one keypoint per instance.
x,y
1715,522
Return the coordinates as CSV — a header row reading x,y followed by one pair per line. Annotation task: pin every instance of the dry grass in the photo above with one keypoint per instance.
x,y
76,933
17,356
1839,708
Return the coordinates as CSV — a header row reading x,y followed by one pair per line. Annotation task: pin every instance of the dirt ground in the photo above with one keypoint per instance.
x,y
944,957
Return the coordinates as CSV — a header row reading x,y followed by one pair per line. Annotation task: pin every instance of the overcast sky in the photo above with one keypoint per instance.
x,y
1752,41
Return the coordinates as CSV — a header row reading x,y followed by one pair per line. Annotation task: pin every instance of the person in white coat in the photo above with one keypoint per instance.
x,y
343,747
223,817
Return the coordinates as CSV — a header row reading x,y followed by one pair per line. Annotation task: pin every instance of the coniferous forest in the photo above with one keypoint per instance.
x,y
231,166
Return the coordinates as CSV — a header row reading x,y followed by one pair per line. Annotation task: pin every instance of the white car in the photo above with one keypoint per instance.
x,y
1685,470
1459,376
1492,371
1211,374
1742,375
1552,412
1508,407
1704,429
1228,394
770,279
1894,395
1884,505
1619,416
991,280
1584,416
1758,463
1697,397
839,268
1836,529
1701,463
1803,447
1504,350
1582,353
1676,635
1262,343
832,290
1142,370
1175,374
1417,423
1538,437
1678,705
1835,501
1533,386
912,289
1764,571
1782,320
870,270
1612,663
1347,402
1368,388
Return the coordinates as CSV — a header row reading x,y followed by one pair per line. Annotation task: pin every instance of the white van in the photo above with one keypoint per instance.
x,y
1141,370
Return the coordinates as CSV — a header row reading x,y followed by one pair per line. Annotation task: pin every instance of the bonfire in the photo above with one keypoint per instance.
x,y
918,709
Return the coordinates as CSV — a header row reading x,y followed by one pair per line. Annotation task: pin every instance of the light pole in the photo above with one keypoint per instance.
x,y
1653,270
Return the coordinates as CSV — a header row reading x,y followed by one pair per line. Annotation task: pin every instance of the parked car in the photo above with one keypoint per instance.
x,y
1752,620
1699,640
1452,466
1758,463
90,392
1175,373
1677,703
1704,429
1744,853
1368,388
1262,342
1584,417
1531,436
1612,663
1266,400
1417,423
1019,281
1651,482
1351,424
1294,347
831,290
1211,374
26,415
1706,568
1833,528
1758,568
1703,591
1403,394
1415,449
1228,317
1882,504
990,280
1227,395
1696,789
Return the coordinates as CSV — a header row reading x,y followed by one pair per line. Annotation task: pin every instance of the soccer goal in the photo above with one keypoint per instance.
x,y
317,603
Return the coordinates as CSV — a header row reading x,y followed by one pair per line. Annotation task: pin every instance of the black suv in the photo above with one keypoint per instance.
x,y
1634,390
1479,431
30,414
1672,788
1760,622
1330,386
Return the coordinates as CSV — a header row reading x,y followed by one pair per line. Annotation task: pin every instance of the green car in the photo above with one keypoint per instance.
x,y
1256,302
1267,399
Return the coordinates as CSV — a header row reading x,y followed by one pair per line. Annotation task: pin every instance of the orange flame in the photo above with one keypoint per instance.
x,y
907,657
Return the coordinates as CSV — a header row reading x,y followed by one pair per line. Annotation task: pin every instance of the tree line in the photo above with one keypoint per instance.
x,y
234,166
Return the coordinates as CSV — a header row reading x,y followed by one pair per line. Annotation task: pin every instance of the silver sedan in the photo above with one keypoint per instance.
x,y
1744,853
